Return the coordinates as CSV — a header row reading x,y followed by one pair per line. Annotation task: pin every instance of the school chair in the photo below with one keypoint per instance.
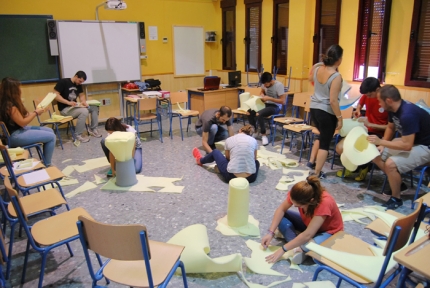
x,y
46,234
143,115
175,110
4,259
252,91
34,204
5,136
70,124
55,123
133,260
343,242
53,175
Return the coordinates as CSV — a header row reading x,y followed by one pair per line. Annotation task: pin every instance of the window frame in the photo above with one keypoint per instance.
x,y
413,41
274,37
228,5
249,4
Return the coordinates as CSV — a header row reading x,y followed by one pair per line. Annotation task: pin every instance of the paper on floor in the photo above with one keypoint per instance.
x,y
254,285
144,182
85,187
250,229
92,164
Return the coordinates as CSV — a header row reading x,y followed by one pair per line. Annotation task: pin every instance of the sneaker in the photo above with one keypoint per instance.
x,y
82,139
362,175
346,174
95,133
109,173
310,165
403,188
264,140
298,258
322,175
393,203
197,155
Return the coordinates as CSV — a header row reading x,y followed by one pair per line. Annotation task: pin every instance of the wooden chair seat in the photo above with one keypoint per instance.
x,y
133,273
298,128
55,229
288,120
188,113
345,243
37,202
5,173
147,116
65,120
53,172
241,112
20,157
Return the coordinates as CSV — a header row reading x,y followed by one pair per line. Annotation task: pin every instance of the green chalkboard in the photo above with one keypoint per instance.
x,y
24,49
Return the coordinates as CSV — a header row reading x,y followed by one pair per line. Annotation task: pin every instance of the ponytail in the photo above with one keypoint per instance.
x,y
308,192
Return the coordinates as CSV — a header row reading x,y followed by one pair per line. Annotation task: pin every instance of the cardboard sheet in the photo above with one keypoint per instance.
x,y
92,164
254,285
85,187
143,184
196,242
250,229
257,263
274,160
68,170
47,100
99,180
67,181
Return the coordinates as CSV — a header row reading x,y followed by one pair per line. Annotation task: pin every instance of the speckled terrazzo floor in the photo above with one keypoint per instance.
x,y
204,200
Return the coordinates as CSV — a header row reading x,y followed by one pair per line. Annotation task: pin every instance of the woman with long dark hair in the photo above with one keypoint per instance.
x,y
17,118
317,219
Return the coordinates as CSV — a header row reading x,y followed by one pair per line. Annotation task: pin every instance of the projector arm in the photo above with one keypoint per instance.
x,y
97,9
111,4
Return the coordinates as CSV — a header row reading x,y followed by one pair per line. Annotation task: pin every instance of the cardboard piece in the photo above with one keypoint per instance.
x,y
357,149
67,181
85,187
92,164
47,100
68,170
143,184
195,258
99,180
257,263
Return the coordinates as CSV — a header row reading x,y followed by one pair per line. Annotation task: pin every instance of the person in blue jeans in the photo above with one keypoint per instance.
x,y
240,158
112,125
16,119
209,126
318,218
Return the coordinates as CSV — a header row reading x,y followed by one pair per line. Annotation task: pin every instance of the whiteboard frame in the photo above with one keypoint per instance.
x,y
106,75
198,65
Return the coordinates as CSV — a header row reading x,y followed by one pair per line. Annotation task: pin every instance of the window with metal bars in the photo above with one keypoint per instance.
x,y
228,34
418,65
253,35
372,39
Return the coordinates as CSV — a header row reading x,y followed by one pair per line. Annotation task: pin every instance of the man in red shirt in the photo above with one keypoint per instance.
x,y
376,120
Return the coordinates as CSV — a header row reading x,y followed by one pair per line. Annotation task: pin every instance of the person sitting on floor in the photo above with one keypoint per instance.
x,y
403,154
318,219
273,95
376,120
111,125
240,158
16,118
209,126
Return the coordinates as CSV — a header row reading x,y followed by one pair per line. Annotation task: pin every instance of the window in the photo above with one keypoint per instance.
x,y
418,66
253,35
372,39
281,11
327,18
228,34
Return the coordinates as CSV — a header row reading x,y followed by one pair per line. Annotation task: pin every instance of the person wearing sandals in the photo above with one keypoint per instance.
x,y
240,158
318,218
376,120
111,125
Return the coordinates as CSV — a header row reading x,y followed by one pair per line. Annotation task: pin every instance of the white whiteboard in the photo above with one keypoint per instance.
x,y
189,53
105,51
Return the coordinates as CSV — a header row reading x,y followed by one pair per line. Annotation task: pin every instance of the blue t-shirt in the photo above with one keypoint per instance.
x,y
411,119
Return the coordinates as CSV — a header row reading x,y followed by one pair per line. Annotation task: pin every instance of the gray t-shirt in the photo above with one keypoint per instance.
x,y
208,118
242,153
321,97
275,91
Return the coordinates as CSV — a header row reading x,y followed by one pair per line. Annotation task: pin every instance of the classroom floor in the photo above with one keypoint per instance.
x,y
204,201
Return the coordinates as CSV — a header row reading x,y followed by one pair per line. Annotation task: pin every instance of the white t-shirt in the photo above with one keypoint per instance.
x,y
242,153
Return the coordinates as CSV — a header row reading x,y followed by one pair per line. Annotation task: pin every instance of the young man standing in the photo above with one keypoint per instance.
x,y
402,154
273,96
68,90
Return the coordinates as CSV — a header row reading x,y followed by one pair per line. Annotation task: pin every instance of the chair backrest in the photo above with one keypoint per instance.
x,y
119,242
147,103
12,193
253,90
3,253
178,97
35,103
302,99
4,134
406,224
7,161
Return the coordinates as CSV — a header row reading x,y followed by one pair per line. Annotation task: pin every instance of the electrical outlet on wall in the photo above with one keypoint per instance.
x,y
105,101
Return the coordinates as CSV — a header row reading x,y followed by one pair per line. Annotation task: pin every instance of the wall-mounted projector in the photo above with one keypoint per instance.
x,y
115,5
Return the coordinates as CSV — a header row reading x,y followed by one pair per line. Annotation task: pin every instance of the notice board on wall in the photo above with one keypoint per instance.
x,y
189,53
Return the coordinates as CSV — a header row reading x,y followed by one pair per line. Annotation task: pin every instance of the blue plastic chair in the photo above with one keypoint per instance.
x,y
397,239
47,234
133,260
3,259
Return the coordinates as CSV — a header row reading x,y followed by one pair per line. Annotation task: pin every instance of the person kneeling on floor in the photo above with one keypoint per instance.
x,y
112,125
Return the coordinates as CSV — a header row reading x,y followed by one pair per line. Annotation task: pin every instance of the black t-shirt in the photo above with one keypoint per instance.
x,y
411,119
68,90
208,118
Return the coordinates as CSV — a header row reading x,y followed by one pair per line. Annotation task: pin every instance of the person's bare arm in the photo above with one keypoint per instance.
x,y
230,130
205,137
277,217
83,99
16,116
404,144
334,101
280,100
60,99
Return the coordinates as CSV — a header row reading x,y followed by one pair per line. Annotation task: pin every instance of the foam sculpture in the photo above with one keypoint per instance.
x,y
47,100
356,149
348,125
255,103
121,145
238,221
242,99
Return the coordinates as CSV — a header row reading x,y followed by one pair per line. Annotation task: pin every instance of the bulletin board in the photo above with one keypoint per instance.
x,y
188,50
